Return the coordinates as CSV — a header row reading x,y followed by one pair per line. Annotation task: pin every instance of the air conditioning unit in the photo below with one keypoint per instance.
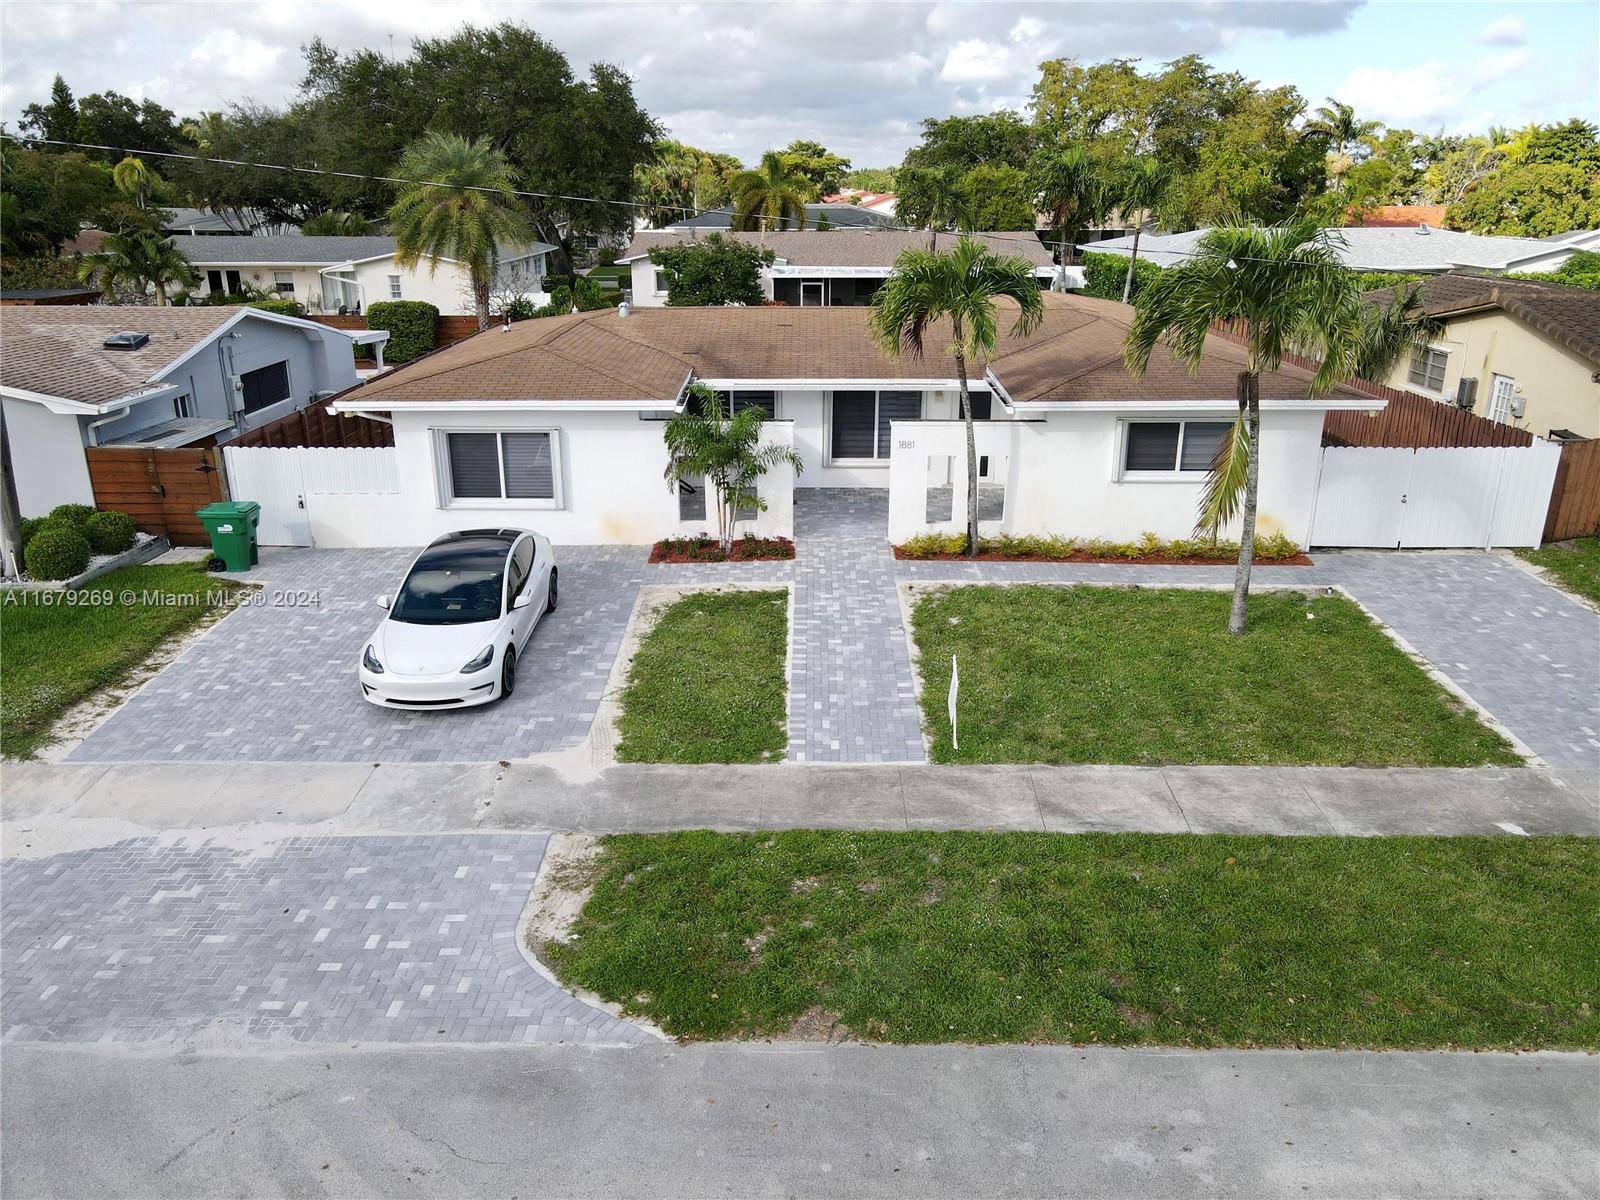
x,y
1467,394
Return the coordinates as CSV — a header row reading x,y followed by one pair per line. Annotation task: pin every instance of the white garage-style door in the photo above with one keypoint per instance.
x,y
1434,497
288,481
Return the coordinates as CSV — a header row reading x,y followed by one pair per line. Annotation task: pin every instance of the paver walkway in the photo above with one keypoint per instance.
x,y
278,683
392,939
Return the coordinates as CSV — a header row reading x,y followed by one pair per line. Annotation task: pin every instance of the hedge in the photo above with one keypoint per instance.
x,y
1103,275
56,552
1371,281
412,324
70,514
110,532
281,305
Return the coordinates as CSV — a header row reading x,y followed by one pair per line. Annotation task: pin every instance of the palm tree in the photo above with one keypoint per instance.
x,y
140,258
771,196
132,178
1141,189
464,207
1336,123
704,443
959,286
1070,185
931,196
1284,289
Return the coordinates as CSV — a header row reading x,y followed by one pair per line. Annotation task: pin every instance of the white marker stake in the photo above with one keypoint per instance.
x,y
950,704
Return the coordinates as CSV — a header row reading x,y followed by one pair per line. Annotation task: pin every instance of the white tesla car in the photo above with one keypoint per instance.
x,y
465,611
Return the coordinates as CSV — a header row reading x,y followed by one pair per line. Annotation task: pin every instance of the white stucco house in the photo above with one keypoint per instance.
x,y
346,274
1420,249
822,267
72,377
556,424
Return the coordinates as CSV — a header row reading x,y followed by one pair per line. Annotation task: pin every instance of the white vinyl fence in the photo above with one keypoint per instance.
x,y
1434,497
292,483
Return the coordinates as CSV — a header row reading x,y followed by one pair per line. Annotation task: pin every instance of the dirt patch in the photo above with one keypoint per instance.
x,y
566,878
804,887
818,1024
933,894
1078,556
1134,1018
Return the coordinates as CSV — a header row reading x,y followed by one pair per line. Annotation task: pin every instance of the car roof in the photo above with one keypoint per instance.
x,y
480,548
485,535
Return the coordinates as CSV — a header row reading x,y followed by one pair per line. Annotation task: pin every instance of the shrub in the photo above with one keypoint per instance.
x,y
30,526
281,305
1371,281
56,552
412,325
70,514
1272,547
109,532
927,545
1103,275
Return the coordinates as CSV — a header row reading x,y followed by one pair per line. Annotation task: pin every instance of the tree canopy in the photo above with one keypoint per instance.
x,y
713,270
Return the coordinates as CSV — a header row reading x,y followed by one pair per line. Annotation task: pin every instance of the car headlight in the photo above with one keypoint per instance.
x,y
369,660
480,660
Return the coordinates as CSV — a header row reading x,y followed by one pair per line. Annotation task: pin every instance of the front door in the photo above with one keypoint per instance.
x,y
1501,396
811,293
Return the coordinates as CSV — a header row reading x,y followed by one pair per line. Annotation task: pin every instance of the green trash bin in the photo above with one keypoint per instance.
x,y
232,526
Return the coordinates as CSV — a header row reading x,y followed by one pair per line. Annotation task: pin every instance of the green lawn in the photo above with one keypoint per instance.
x,y
1120,938
55,656
1126,675
1576,564
708,682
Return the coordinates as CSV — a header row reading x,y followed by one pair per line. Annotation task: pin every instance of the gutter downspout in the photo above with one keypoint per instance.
x,y
94,426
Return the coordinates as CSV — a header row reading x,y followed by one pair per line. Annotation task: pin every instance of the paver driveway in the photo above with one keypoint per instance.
x,y
408,939
279,683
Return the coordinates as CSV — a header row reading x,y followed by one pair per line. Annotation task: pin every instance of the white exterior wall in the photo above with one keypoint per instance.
x,y
447,288
611,482
1062,475
46,458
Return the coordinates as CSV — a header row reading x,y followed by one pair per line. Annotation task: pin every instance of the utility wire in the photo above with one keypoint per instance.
x,y
532,195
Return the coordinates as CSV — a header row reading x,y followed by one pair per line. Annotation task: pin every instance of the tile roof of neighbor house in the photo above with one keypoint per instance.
x,y
1373,249
58,351
858,248
1398,216
1568,315
838,214
601,356
298,249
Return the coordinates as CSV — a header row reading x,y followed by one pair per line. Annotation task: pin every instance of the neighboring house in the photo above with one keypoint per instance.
x,y
834,267
1521,353
153,377
205,222
34,296
1398,216
840,216
347,274
878,202
556,425
1420,250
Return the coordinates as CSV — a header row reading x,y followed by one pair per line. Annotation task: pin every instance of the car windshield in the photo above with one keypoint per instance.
x,y
453,585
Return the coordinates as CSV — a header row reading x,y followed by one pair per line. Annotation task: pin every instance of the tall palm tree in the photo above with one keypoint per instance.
x,y
140,258
1284,289
770,196
464,209
1336,123
1141,188
931,197
1070,184
132,178
960,286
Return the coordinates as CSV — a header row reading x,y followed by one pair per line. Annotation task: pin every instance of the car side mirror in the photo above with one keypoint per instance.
x,y
522,601
383,601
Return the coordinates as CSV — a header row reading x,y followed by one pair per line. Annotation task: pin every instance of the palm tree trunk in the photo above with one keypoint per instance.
x,y
480,299
972,451
1127,284
1250,405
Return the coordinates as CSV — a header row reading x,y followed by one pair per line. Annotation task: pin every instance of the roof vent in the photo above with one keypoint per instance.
x,y
623,309
126,340
1423,230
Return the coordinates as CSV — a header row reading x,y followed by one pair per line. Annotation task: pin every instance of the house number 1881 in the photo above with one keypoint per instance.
x,y
910,444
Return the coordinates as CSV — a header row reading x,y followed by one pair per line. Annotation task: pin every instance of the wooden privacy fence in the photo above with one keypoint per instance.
x,y
313,426
1413,421
1575,501
447,331
160,489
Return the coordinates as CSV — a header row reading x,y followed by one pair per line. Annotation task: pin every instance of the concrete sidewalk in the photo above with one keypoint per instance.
x,y
128,799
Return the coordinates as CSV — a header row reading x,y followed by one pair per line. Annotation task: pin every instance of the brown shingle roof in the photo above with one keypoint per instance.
x,y
58,351
598,357
1568,315
846,247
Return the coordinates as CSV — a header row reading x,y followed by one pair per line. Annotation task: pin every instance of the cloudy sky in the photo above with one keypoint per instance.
x,y
740,77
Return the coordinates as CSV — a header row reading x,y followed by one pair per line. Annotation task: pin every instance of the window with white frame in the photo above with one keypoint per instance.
x,y
283,283
663,281
859,423
500,466
394,287
1427,367
1167,447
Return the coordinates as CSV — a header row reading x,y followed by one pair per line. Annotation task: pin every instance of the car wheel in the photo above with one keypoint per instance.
x,y
508,673
550,600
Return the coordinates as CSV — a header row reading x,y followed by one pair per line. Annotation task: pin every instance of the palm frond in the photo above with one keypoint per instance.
x,y
1225,482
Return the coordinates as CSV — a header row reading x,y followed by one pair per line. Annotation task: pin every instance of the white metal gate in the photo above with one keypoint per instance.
x,y
1434,497
285,481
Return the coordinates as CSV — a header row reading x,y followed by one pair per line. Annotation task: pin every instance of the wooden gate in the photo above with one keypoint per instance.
x,y
1575,502
160,489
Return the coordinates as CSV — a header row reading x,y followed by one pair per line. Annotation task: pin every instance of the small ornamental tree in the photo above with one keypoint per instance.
x,y
704,442
412,324
715,270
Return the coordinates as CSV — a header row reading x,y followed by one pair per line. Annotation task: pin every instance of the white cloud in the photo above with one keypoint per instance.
x,y
1503,31
976,61
1026,29
1427,94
